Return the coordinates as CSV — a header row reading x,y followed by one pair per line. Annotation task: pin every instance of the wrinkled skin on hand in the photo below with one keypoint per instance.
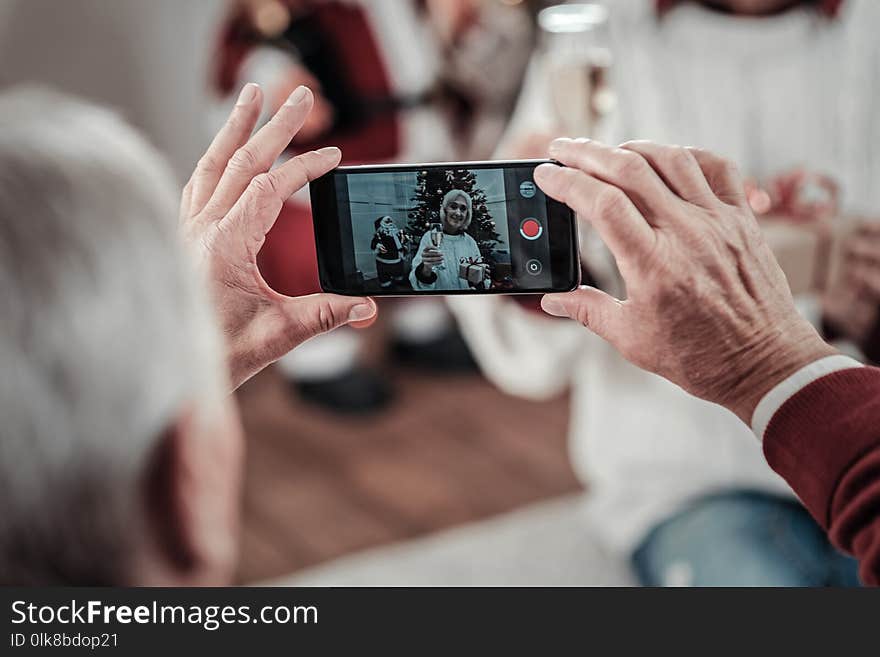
x,y
228,206
707,305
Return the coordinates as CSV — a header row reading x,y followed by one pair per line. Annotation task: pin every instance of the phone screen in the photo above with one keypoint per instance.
x,y
461,228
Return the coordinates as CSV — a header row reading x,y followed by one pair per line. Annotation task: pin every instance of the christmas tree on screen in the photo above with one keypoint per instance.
x,y
431,186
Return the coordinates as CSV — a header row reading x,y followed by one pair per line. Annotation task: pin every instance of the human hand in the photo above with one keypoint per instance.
x,y
381,249
707,305
851,304
431,258
862,260
228,206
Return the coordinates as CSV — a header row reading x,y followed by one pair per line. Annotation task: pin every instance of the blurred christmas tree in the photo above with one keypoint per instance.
x,y
431,186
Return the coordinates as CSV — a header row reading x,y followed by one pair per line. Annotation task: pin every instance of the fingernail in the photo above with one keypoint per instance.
x,y
247,95
361,312
299,95
545,171
330,150
553,307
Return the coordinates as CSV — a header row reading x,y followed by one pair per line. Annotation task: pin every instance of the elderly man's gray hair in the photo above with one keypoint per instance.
x,y
104,336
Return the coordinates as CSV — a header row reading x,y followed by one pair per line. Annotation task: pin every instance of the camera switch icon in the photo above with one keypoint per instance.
x,y
534,267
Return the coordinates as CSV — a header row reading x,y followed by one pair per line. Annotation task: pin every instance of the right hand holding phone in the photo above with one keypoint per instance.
x,y
707,305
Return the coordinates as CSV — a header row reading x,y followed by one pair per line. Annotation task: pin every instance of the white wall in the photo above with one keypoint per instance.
x,y
148,58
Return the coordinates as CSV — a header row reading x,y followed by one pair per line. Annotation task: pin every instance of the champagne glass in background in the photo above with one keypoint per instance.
x,y
576,59
437,240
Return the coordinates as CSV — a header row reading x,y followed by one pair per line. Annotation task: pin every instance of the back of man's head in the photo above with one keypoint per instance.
x,y
104,338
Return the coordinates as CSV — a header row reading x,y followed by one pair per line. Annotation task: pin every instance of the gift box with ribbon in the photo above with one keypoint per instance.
x,y
473,270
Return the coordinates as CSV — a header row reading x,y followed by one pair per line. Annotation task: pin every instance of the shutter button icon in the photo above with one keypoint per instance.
x,y
531,229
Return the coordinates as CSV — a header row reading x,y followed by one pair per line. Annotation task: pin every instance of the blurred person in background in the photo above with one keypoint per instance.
x,y
121,445
676,485
396,81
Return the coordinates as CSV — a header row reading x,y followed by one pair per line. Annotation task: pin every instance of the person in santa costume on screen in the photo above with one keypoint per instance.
x,y
394,81
678,487
389,246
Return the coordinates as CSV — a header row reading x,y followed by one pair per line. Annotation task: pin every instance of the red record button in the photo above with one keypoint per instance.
x,y
531,229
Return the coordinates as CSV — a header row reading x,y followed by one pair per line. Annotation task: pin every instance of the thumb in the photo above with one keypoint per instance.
x,y
314,314
593,308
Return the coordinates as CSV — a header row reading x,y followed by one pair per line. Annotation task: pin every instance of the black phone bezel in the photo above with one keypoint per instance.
x,y
562,232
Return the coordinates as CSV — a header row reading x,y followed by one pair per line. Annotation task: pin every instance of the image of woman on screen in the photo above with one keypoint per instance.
x,y
448,258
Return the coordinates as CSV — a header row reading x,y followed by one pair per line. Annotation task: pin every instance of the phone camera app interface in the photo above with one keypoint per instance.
x,y
444,230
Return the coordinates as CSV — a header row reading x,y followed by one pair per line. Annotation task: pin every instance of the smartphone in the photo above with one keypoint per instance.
x,y
448,228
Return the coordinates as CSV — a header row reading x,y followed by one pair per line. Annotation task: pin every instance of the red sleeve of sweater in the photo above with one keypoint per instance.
x,y
825,441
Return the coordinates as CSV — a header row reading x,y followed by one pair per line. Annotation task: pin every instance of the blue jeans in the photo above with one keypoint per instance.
x,y
742,538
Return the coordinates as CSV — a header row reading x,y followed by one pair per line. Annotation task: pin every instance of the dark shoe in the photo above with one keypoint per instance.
x,y
360,391
447,354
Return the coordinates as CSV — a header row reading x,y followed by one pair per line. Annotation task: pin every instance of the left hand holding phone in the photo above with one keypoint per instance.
x,y
228,206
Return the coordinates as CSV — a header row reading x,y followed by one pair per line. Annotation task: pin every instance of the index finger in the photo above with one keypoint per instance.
x,y
623,168
261,150
620,225
232,135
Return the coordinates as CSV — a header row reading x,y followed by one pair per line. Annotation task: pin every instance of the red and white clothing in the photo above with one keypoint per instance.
x,y
822,434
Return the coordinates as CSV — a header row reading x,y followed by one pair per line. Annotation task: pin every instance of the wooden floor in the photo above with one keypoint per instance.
x,y
451,449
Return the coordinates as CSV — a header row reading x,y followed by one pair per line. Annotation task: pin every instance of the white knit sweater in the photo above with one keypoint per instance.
x,y
771,93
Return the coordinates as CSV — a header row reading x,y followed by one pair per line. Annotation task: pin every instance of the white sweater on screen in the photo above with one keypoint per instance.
x,y
772,93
